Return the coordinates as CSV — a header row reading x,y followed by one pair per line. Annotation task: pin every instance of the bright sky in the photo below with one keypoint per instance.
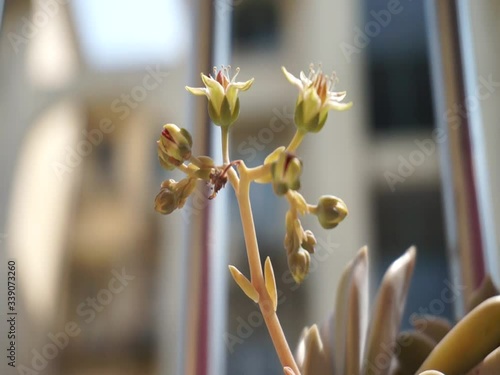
x,y
117,34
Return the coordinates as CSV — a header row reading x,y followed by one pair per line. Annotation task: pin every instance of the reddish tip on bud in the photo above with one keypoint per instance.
x,y
286,173
174,146
222,79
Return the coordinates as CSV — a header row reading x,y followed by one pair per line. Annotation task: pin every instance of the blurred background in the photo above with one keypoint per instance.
x,y
85,87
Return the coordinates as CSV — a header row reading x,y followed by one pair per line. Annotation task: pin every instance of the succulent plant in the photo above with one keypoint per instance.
x,y
349,344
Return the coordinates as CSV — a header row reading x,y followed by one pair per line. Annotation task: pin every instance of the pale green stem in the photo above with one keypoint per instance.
x,y
193,159
242,190
312,209
233,177
265,303
291,201
258,172
296,140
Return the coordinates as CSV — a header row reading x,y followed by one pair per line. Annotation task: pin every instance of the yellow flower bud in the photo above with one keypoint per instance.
x,y
330,211
167,199
174,194
293,234
174,146
286,173
309,241
298,262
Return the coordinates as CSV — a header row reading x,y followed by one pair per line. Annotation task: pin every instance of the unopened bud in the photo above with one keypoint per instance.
x,y
298,263
174,194
294,233
167,200
174,146
184,189
309,241
331,211
286,173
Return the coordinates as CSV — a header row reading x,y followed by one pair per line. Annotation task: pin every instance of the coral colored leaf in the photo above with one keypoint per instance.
x,y
387,314
316,359
351,315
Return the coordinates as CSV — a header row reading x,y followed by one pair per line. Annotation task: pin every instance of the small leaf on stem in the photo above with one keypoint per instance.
x,y
271,283
244,284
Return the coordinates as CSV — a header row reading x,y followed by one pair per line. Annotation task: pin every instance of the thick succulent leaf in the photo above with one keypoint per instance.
x,y
412,348
396,368
490,365
432,326
486,290
300,351
315,360
327,334
387,313
351,315
469,342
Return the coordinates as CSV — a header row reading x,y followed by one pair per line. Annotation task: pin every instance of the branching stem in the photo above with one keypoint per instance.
x,y
241,187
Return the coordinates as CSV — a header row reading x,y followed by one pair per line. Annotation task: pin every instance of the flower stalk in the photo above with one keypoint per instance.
x,y
281,168
257,278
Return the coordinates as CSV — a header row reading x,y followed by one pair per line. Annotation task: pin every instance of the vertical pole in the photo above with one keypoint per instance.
x,y
219,219
2,6
204,295
463,230
478,143
195,302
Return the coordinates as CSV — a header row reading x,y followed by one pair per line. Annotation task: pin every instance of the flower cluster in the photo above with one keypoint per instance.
x,y
282,168
174,148
350,342
174,145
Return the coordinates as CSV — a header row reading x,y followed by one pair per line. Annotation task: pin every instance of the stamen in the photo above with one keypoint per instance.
x,y
236,71
311,72
334,79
